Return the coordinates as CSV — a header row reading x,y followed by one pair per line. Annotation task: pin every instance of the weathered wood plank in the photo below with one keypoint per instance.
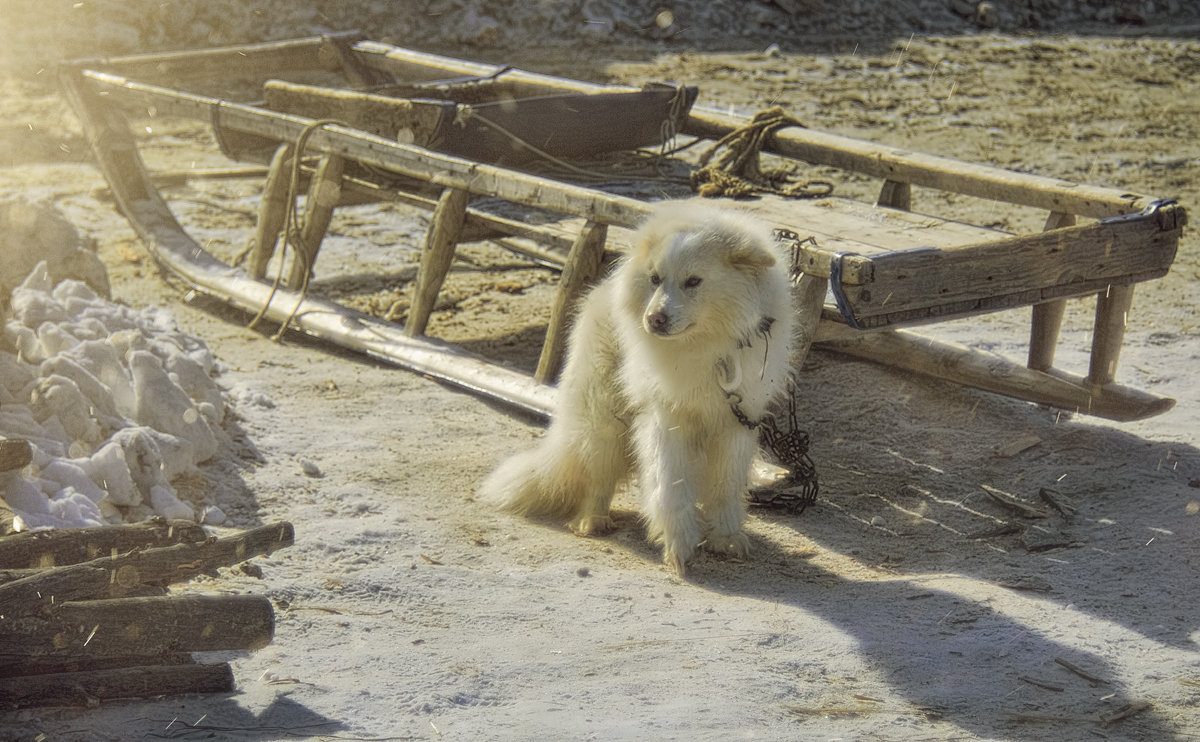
x,y
42,549
921,285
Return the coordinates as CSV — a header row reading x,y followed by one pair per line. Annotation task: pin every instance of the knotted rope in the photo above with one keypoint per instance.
x,y
731,167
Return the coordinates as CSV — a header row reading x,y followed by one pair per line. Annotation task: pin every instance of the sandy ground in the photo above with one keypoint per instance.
x,y
407,610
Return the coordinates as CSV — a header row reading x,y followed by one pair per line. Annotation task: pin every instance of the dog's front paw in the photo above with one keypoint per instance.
x,y
676,560
592,525
733,544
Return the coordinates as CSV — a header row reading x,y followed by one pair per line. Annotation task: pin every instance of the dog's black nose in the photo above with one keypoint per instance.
x,y
657,322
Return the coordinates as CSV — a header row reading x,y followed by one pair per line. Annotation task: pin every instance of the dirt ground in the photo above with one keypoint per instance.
x,y
408,610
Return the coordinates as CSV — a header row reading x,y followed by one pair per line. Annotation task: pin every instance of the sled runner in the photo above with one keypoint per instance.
x,y
373,121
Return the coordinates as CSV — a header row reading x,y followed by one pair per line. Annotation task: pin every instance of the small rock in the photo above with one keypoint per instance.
x,y
251,569
310,469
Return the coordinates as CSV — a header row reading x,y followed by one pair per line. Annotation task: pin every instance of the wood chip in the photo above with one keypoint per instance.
x,y
1012,503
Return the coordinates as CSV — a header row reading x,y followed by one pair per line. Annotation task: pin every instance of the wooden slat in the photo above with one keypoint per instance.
x,y
265,60
844,225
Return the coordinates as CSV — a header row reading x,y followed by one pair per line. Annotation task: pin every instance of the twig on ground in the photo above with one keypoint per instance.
x,y
1081,672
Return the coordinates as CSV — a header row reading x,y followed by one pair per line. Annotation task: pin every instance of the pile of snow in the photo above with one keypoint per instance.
x,y
115,402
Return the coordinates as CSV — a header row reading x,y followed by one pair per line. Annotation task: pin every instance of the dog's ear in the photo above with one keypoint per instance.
x,y
751,257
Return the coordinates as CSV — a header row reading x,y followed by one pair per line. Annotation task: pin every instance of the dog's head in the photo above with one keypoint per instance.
x,y
698,270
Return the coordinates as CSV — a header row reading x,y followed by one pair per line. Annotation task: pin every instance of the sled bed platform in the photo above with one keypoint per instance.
x,y
359,109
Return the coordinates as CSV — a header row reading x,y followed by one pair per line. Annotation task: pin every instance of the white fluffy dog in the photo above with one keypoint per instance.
x,y
672,361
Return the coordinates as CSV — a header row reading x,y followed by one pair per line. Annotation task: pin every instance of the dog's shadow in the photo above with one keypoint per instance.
x,y
950,655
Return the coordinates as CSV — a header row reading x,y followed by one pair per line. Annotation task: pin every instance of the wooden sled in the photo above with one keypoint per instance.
x,y
884,265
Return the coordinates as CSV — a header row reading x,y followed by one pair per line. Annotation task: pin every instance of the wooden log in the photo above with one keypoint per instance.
x,y
809,145
583,266
1112,314
1047,316
42,549
272,212
90,688
128,627
441,239
49,665
324,192
904,350
15,453
113,576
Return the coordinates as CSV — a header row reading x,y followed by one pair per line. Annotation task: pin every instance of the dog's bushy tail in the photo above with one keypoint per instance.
x,y
544,482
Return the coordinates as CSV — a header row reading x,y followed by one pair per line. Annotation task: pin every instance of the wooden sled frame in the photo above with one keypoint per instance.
x,y
1134,238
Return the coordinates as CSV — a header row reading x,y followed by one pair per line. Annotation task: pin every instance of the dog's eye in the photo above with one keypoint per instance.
x,y
692,282
655,279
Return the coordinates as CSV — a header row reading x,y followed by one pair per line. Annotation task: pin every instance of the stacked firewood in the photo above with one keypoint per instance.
x,y
85,613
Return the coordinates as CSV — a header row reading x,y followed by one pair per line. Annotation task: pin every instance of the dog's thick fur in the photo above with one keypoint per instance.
x,y
690,332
